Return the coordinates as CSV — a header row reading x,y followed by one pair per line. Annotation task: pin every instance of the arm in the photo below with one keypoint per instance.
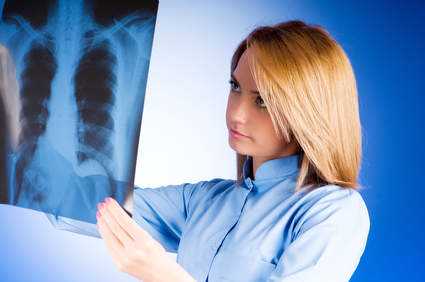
x,y
329,239
161,211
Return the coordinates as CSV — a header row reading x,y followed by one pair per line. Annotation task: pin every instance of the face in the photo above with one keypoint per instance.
x,y
247,114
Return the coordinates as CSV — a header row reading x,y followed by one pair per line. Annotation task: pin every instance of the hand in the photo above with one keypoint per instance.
x,y
133,250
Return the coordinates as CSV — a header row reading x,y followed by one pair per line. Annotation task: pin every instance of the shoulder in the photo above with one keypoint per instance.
x,y
217,182
189,187
334,195
187,191
333,205
209,188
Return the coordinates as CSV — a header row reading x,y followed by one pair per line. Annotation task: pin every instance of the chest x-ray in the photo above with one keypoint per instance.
x,y
73,77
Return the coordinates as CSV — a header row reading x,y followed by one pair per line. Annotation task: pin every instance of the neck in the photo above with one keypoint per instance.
x,y
258,160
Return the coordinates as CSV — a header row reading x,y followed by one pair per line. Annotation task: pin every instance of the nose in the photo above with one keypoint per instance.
x,y
239,109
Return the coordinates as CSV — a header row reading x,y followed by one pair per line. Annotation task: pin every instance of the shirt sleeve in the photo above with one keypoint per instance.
x,y
329,240
163,211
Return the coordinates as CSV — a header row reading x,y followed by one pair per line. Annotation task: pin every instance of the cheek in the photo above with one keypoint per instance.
x,y
268,135
228,109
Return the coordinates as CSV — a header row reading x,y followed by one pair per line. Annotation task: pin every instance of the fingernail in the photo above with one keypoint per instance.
x,y
99,206
97,215
107,200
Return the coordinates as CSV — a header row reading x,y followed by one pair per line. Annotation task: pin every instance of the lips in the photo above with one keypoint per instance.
x,y
237,133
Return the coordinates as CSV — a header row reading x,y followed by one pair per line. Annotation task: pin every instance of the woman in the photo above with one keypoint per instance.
x,y
294,213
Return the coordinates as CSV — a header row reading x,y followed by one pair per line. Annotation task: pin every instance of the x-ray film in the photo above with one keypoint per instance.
x,y
73,77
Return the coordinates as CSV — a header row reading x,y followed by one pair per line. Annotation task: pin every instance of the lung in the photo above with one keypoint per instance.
x,y
94,83
36,79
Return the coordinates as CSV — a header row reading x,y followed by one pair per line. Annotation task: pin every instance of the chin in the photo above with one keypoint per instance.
x,y
234,146
238,148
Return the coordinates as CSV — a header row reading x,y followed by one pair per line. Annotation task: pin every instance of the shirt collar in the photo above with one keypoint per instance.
x,y
271,169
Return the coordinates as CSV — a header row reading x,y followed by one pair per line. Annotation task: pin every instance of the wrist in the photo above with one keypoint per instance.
x,y
184,276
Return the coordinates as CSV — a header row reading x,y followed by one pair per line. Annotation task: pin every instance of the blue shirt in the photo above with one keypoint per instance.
x,y
261,230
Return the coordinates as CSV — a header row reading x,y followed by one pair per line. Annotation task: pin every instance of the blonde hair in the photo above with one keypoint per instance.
x,y
307,83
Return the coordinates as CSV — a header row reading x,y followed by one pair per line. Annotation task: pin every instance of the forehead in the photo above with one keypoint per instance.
x,y
243,63
242,72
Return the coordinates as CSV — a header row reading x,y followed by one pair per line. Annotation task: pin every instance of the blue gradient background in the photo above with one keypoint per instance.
x,y
184,136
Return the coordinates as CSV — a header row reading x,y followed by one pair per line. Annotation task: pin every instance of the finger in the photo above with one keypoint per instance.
x,y
113,223
113,245
126,221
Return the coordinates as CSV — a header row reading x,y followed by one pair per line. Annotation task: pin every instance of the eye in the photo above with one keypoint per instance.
x,y
259,101
233,84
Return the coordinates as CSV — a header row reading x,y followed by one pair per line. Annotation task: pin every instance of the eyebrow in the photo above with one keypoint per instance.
x,y
234,78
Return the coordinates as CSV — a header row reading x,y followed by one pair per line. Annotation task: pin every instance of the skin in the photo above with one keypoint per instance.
x,y
247,114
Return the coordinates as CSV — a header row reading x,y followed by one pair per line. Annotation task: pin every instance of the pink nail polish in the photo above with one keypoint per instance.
x,y
99,205
97,215
108,200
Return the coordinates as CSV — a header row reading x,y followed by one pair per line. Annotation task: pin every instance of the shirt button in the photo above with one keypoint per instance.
x,y
249,182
